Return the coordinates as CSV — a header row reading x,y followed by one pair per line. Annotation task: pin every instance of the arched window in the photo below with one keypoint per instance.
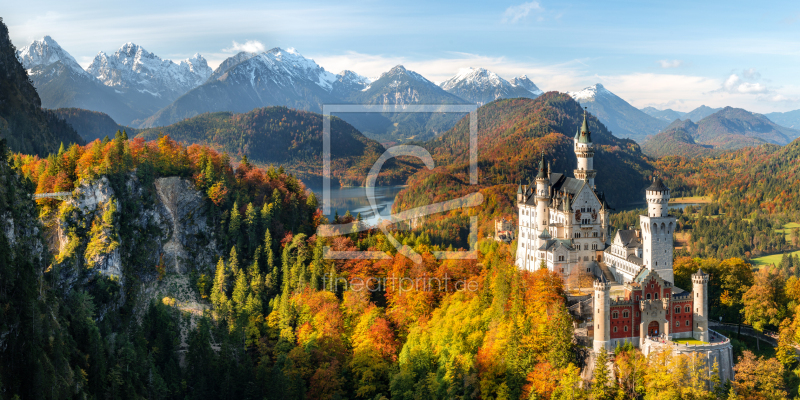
x,y
655,296
677,310
687,322
648,296
624,314
687,309
615,329
677,323
615,315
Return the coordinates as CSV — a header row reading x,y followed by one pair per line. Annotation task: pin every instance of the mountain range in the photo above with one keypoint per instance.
x,y
621,118
481,86
129,85
727,129
789,119
139,89
24,125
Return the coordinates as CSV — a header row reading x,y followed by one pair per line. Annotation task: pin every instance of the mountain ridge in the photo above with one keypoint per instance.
x,y
621,118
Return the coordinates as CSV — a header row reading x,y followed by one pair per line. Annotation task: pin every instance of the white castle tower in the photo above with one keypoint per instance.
x,y
700,304
542,198
602,306
657,227
584,150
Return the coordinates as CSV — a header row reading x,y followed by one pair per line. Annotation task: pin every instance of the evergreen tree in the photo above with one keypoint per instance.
x,y
220,289
233,262
601,388
235,224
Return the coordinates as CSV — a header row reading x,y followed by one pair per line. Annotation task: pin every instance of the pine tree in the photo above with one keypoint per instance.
x,y
601,388
240,292
233,262
235,223
266,215
220,288
251,220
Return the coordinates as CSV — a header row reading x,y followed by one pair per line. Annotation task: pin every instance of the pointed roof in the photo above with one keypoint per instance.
x,y
545,235
519,189
542,168
657,186
585,136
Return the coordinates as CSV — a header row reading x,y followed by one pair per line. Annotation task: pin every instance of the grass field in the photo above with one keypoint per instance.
x,y
693,199
682,240
787,229
767,260
690,341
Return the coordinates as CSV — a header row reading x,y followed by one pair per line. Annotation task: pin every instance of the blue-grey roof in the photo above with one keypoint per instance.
x,y
560,183
657,186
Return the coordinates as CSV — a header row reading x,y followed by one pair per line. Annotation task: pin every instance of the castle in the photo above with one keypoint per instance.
x,y
564,227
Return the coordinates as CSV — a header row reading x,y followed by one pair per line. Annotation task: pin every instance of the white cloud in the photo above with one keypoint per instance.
x,y
515,13
735,84
670,63
250,46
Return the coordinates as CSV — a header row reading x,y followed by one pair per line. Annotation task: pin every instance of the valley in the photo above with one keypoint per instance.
x,y
163,233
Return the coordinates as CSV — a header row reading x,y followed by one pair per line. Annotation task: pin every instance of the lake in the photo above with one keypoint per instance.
x,y
354,199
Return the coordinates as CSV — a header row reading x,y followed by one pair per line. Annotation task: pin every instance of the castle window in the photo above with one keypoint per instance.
x,y
615,315
677,310
687,322
625,328
625,314
687,309
637,297
615,329
648,296
677,324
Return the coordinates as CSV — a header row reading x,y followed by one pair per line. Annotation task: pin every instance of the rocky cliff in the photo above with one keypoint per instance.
x,y
147,236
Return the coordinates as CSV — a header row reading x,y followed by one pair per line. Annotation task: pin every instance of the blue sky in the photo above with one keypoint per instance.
x,y
677,54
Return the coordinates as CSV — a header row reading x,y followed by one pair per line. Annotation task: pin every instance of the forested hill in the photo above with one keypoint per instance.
x,y
23,123
511,136
727,129
290,138
91,125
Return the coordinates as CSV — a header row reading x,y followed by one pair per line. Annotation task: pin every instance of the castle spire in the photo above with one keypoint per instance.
x,y
585,134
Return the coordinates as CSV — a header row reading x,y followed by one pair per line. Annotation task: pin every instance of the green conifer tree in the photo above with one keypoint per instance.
x,y
220,288
235,224
233,262
601,388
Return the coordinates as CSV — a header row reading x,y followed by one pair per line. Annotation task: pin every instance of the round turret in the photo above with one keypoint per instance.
x,y
657,196
700,305
602,310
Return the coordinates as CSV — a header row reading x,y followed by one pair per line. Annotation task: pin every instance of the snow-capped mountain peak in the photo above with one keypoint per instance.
x,y
398,71
524,82
133,67
591,92
293,64
482,86
474,76
46,51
